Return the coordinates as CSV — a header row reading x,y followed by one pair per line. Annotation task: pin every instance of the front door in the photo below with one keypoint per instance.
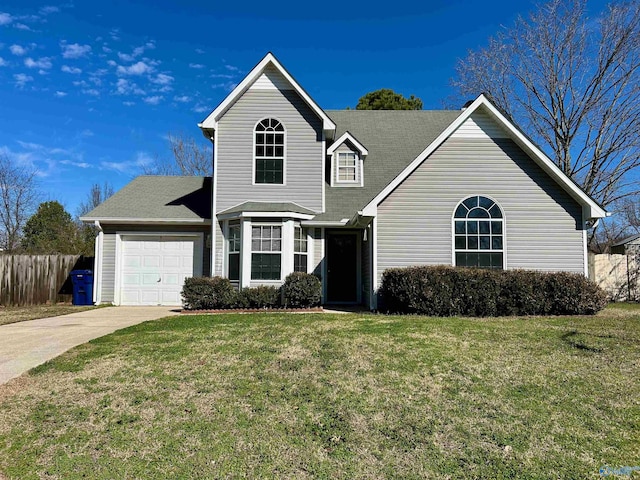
x,y
342,267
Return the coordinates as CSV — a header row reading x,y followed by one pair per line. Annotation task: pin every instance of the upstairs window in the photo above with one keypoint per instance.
x,y
347,164
478,227
269,152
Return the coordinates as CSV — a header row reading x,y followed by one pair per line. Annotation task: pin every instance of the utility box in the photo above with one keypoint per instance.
x,y
82,281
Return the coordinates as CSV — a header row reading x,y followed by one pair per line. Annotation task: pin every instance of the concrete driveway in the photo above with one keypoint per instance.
x,y
25,345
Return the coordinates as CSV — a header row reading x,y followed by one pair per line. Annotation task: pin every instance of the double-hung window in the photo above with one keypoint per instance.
x,y
269,152
478,227
234,251
300,249
266,252
347,164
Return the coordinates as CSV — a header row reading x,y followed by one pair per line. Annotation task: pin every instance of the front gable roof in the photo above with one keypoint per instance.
x,y
591,208
211,122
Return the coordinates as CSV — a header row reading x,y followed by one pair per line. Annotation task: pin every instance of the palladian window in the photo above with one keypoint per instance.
x,y
478,227
269,152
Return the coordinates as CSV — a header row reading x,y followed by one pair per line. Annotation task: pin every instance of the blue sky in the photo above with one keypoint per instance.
x,y
90,90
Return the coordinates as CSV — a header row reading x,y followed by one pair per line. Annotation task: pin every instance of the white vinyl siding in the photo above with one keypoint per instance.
x,y
543,224
304,151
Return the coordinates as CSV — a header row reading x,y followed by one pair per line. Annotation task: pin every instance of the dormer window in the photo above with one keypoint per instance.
x,y
269,152
347,165
347,161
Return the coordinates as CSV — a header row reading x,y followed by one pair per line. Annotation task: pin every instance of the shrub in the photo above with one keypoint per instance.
x,y
203,293
259,297
448,291
301,290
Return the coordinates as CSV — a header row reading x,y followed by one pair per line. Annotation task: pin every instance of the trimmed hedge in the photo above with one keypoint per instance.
x,y
258,297
207,293
447,291
301,290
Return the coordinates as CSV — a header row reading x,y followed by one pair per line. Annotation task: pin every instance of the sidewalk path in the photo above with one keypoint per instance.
x,y
25,345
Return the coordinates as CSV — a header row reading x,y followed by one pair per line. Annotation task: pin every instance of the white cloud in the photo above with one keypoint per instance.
x,y
127,87
49,9
200,51
87,133
138,68
75,50
111,63
75,164
115,34
142,159
196,65
106,49
44,63
222,75
231,68
182,98
60,94
5,18
73,70
21,79
130,57
129,104
22,26
17,50
3,63
155,100
91,91
200,108
162,79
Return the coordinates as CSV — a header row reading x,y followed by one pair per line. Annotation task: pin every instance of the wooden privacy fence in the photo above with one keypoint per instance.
x,y
617,274
38,279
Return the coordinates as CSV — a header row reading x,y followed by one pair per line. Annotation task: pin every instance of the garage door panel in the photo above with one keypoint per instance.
x,y
131,279
153,260
154,268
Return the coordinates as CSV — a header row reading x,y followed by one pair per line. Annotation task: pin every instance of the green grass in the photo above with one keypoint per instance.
x,y
33,312
333,396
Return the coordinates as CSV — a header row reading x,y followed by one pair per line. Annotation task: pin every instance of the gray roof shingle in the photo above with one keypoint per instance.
x,y
158,198
394,139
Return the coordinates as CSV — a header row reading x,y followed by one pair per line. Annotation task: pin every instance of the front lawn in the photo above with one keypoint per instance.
x,y
333,396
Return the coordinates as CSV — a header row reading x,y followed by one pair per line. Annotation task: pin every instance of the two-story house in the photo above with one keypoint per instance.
x,y
342,194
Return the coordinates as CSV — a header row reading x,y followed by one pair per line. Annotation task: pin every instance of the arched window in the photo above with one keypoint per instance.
x,y
269,152
478,227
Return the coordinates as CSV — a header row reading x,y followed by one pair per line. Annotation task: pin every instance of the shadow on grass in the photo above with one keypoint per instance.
x,y
570,339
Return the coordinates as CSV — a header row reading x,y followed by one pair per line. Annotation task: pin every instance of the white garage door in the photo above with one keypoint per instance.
x,y
154,268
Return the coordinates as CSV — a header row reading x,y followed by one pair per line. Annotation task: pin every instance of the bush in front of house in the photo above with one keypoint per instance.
x,y
301,290
448,291
263,296
208,293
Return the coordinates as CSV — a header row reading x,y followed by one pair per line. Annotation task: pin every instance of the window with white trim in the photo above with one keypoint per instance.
x,y
347,164
300,250
266,252
234,244
478,230
269,152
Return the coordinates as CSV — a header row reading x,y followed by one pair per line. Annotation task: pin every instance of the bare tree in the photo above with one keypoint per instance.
x,y
575,85
97,195
18,200
189,158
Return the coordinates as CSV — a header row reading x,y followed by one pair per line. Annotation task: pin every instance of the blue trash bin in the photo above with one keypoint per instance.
x,y
82,281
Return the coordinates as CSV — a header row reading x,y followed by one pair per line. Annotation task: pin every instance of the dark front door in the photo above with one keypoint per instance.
x,y
342,267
